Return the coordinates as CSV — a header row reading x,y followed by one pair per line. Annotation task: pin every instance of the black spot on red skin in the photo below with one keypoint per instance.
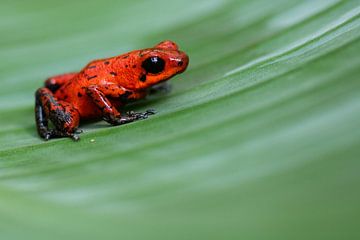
x,y
90,67
142,78
89,78
180,63
126,65
113,73
126,56
106,62
79,94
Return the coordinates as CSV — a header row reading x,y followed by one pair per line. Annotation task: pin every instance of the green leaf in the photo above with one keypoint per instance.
x,y
259,138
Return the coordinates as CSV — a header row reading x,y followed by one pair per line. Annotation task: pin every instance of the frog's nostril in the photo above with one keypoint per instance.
x,y
180,62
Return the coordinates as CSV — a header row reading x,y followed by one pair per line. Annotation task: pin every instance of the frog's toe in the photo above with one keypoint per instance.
x,y
75,137
150,111
78,131
47,136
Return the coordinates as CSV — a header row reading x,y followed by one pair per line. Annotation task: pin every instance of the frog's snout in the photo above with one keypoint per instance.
x,y
180,62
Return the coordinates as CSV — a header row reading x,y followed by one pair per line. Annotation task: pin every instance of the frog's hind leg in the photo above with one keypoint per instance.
x,y
55,82
63,115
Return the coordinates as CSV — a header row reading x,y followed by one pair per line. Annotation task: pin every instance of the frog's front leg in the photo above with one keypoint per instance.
x,y
63,115
99,94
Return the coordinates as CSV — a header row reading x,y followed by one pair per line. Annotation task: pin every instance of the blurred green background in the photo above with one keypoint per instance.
x,y
259,138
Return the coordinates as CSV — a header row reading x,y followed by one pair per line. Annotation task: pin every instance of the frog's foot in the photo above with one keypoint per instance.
x,y
140,115
130,117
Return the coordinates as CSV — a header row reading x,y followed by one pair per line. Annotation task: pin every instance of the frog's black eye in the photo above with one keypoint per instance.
x,y
153,65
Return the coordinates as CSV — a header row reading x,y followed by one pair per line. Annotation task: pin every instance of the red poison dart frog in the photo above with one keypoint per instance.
x,y
102,87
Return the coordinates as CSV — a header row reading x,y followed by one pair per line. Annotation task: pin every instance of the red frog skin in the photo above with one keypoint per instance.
x,y
103,87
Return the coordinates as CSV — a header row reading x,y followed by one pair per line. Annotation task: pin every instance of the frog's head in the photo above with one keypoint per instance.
x,y
160,63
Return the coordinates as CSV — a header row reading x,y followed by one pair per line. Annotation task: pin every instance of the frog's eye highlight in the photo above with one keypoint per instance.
x,y
153,65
